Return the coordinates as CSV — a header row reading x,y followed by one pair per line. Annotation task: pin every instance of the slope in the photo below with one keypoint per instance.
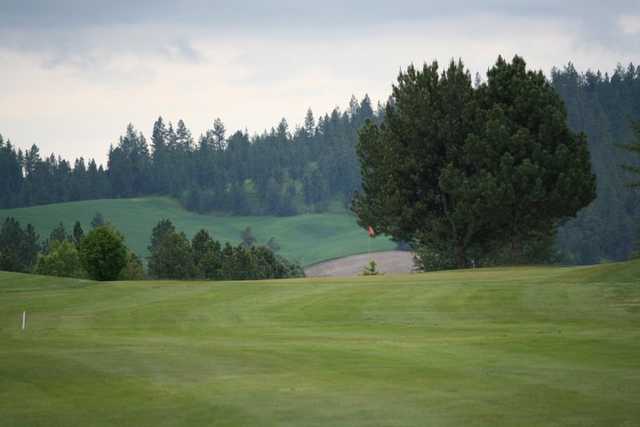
x,y
518,346
306,238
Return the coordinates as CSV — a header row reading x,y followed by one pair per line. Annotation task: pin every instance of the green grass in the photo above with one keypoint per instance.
x,y
519,346
306,238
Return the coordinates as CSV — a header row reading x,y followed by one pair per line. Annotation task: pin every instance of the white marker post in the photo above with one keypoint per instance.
x,y
24,320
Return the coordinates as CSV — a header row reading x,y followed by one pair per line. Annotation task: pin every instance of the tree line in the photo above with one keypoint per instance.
x,y
174,256
102,254
282,171
286,171
604,107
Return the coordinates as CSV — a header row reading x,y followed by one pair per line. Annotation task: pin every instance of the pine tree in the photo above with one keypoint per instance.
x,y
172,258
78,234
455,169
160,157
161,230
309,124
16,246
58,234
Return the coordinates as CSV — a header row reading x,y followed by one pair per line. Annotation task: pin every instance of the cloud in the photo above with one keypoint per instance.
x,y
629,24
78,71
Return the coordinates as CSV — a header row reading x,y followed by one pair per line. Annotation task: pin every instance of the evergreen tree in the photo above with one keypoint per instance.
x,y
172,258
161,157
29,248
58,234
453,168
130,165
309,125
228,269
201,244
18,248
207,255
171,255
544,169
161,230
11,179
78,234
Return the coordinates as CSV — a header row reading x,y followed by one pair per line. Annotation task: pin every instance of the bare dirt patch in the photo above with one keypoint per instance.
x,y
387,262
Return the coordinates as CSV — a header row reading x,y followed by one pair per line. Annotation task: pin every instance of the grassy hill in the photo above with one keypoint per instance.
x,y
521,346
304,238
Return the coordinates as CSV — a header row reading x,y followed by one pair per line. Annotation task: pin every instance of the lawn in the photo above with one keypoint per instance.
x,y
516,346
307,239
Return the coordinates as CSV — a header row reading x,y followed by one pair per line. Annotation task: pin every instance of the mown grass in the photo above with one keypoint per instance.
x,y
517,346
307,239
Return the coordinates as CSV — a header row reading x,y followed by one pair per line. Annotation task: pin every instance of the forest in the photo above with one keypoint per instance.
x,y
286,171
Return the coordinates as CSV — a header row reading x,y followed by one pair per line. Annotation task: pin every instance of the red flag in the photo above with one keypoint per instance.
x,y
371,232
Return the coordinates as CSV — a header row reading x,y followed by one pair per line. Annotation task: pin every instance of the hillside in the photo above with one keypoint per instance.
x,y
521,346
306,238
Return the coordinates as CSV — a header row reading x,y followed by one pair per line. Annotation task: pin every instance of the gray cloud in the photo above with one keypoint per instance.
x,y
67,29
78,71
255,16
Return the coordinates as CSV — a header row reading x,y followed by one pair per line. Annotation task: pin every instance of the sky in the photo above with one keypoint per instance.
x,y
74,73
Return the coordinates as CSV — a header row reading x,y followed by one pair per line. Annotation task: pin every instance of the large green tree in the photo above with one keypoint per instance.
x,y
454,168
207,255
543,168
172,257
103,253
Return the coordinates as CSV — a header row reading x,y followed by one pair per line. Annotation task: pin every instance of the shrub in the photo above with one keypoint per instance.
x,y
371,269
103,253
62,260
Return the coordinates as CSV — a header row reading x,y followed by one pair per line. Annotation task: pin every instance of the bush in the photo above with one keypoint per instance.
x,y
133,269
172,258
371,269
430,259
62,260
103,253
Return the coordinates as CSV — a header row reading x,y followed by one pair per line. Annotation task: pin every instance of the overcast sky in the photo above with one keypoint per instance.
x,y
74,73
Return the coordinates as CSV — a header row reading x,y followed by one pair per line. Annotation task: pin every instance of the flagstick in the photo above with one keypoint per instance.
x,y
24,320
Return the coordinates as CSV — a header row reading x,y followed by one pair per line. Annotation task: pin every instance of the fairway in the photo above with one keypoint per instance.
x,y
307,239
520,346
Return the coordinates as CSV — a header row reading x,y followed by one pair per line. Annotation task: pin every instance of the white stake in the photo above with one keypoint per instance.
x,y
24,320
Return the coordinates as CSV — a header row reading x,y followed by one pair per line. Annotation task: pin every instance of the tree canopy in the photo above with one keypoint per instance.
x,y
458,169
103,253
